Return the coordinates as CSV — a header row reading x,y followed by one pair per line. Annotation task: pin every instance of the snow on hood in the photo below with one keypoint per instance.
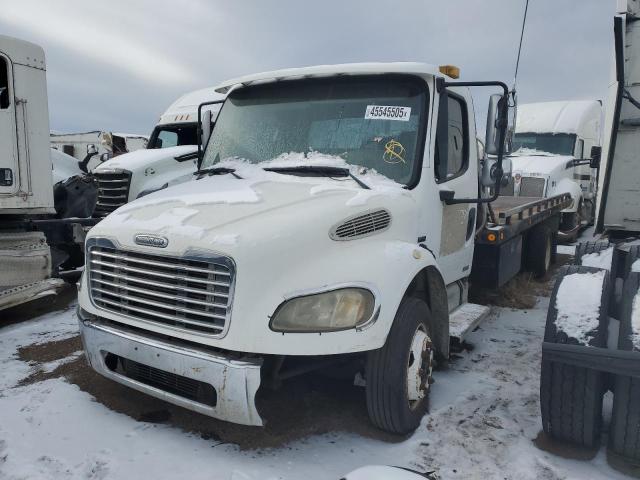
x,y
201,205
144,158
526,160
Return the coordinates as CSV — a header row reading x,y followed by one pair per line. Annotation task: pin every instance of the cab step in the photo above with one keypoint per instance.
x,y
466,318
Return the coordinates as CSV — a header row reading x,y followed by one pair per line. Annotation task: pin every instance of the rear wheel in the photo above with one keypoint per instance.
x,y
624,438
570,396
539,250
399,374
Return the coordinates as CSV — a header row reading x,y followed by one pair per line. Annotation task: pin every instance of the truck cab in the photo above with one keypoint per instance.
x,y
169,157
552,154
333,218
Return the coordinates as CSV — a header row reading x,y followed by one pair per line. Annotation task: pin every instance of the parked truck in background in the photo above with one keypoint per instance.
x,y
92,148
552,154
34,241
169,158
592,336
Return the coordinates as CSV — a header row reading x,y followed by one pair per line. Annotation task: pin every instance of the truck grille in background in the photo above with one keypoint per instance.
x,y
532,187
361,225
188,294
113,191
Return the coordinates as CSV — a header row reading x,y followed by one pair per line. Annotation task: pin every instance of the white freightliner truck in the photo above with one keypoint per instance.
x,y
554,144
33,239
592,336
170,157
333,219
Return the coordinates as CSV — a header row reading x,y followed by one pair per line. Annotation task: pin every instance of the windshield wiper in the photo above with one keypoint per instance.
x,y
217,171
319,170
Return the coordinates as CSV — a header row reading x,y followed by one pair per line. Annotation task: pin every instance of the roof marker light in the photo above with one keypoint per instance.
x,y
450,70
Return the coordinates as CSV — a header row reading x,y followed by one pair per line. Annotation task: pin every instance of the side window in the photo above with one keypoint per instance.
x,y
580,149
457,157
4,84
167,138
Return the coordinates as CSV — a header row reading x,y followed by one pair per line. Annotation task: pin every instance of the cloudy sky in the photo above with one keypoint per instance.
x,y
117,65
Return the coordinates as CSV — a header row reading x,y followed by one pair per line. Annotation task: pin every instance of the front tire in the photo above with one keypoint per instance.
x,y
399,373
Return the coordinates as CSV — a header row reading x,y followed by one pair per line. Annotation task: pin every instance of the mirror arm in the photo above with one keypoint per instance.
x,y
199,129
502,133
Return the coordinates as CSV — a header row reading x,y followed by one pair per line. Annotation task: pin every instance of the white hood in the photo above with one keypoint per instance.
x,y
539,165
64,166
133,161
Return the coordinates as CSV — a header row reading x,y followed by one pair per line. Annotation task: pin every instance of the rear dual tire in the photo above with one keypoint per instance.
x,y
570,396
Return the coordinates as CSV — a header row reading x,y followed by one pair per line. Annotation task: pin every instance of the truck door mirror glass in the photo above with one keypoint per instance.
x,y
596,152
493,125
91,149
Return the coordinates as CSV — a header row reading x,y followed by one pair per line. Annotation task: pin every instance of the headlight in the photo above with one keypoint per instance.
x,y
340,309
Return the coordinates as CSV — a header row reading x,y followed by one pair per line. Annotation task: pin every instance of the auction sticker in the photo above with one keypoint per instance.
x,y
386,112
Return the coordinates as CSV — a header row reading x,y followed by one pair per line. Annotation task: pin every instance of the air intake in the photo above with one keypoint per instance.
x,y
361,225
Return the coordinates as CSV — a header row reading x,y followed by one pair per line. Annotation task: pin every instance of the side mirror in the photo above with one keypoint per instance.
x,y
490,172
596,153
91,149
104,157
494,122
206,128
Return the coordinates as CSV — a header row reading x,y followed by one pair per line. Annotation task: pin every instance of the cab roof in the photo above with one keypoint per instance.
x,y
411,68
23,52
185,108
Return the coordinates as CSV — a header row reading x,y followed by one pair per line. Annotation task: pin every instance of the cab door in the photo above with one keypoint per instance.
x,y
456,170
9,177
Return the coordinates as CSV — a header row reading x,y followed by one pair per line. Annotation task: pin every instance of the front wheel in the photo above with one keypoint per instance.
x,y
399,374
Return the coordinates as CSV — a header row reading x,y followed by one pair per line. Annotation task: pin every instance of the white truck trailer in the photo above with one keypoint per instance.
x,y
333,220
592,336
92,148
553,145
170,157
26,185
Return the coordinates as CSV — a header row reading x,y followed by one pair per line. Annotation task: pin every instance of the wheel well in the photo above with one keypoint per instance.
x,y
428,285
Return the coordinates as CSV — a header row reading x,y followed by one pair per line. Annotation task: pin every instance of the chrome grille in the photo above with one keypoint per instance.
x,y
532,187
113,190
361,225
189,293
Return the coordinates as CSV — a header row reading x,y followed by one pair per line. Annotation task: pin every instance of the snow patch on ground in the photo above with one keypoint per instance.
x,y
484,415
635,267
566,249
578,305
600,259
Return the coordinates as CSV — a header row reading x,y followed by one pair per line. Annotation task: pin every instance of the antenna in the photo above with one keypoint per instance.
x,y
524,21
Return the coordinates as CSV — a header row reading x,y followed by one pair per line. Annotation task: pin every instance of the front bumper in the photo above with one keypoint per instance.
x,y
235,381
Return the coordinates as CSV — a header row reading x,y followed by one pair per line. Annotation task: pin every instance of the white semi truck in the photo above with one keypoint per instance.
x,y
170,156
592,336
333,219
554,144
29,230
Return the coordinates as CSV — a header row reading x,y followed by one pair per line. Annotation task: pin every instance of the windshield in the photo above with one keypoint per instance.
x,y
164,136
370,121
557,143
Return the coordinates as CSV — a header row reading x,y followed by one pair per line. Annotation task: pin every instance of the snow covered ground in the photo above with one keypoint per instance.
x,y
483,421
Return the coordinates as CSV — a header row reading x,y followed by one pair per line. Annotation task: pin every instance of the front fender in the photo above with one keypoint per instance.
x,y
572,188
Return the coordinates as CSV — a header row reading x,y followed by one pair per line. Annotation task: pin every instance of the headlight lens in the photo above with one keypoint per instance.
x,y
340,309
